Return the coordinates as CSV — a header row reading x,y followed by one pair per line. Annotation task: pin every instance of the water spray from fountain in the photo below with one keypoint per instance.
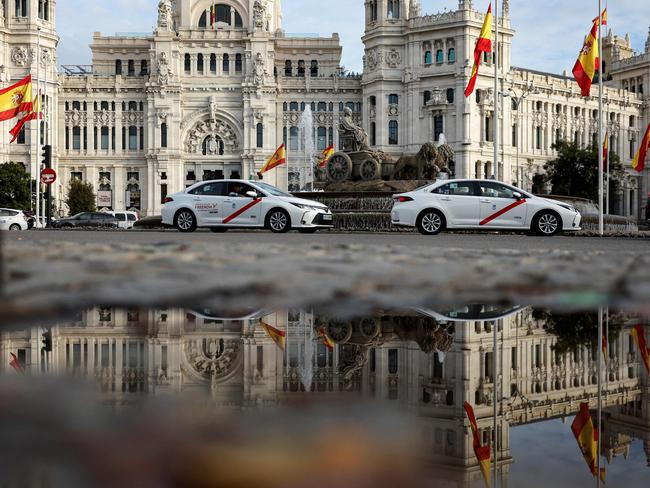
x,y
306,358
305,161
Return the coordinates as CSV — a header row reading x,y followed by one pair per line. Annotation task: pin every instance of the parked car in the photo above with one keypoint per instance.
x,y
126,220
11,219
481,204
88,219
224,204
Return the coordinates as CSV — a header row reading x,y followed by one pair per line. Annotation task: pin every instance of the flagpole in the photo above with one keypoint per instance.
x,y
495,166
600,120
38,132
600,393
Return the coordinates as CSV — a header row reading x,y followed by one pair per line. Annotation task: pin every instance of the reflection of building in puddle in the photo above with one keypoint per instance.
x,y
427,361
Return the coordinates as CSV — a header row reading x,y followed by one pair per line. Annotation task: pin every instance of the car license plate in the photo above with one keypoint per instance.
x,y
327,217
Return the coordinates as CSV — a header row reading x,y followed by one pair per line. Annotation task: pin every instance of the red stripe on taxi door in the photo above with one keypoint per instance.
x,y
241,211
498,214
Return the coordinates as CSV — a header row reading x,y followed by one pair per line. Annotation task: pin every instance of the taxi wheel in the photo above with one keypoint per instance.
x,y
307,231
14,227
219,230
546,223
278,221
431,222
185,221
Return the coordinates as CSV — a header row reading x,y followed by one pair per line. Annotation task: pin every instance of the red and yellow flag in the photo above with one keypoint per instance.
x,y
588,62
278,159
639,338
603,16
278,336
587,436
329,343
483,45
482,452
213,15
327,154
36,112
14,363
16,99
638,163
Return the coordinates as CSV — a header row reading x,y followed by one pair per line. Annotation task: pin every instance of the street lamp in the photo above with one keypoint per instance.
x,y
517,99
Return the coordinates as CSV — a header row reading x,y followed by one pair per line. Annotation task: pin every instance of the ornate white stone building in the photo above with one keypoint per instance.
x,y
159,111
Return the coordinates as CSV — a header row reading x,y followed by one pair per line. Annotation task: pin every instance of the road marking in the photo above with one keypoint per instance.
x,y
498,214
241,211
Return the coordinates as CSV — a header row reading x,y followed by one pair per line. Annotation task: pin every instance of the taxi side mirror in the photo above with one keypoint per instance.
x,y
252,194
518,196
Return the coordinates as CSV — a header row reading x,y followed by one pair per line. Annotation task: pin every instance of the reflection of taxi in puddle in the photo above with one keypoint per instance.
x,y
228,204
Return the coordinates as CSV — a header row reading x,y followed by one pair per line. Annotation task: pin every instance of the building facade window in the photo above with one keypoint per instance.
x,y
426,97
393,99
21,8
260,135
301,68
428,58
104,140
76,138
440,56
213,63
293,138
199,63
451,95
373,134
226,64
393,133
288,68
322,138
133,138
451,55
21,139
163,135
438,127
131,68
144,68
313,71
187,64
238,64
118,66
393,9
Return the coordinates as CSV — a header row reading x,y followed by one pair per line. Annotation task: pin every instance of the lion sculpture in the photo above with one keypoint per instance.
x,y
427,164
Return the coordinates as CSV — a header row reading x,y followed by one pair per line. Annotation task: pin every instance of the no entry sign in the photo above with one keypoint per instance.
x,y
48,176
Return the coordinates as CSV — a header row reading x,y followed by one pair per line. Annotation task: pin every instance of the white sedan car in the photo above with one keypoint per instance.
x,y
481,204
13,219
224,204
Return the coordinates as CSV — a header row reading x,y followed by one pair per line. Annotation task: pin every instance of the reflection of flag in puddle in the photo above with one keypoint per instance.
x,y
278,336
482,452
587,437
329,343
639,338
14,363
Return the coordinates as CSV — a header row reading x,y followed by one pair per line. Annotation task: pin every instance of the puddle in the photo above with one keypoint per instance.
x,y
169,397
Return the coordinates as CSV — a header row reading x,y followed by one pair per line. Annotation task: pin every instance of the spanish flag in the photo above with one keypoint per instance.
x,y
278,159
587,437
26,117
329,343
639,338
483,45
638,163
278,336
16,99
482,452
588,62
603,16
213,15
327,154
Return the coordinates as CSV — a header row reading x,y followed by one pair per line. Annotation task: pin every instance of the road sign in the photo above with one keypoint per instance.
x,y
48,176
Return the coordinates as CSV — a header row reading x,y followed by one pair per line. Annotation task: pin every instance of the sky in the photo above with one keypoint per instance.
x,y
549,32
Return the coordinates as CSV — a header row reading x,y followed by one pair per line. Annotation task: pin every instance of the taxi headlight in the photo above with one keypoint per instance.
x,y
309,207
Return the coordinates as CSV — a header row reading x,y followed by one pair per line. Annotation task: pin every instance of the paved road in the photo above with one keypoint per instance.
x,y
461,241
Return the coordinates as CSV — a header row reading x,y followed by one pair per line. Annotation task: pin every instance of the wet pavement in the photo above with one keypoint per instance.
x,y
273,397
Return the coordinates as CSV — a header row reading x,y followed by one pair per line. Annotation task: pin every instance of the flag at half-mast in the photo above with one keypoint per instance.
x,y
278,336
278,159
587,436
588,61
327,154
36,112
638,163
639,338
16,99
483,45
482,452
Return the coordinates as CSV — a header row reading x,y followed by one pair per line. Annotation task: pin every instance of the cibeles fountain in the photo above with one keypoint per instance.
x,y
357,182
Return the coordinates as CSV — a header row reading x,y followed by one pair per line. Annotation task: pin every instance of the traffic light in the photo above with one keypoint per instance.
x,y
47,340
47,156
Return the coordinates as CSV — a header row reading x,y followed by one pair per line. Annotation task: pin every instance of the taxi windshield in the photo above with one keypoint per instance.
x,y
276,192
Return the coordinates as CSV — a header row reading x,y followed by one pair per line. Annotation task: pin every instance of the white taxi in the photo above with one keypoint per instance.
x,y
224,204
11,219
481,204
